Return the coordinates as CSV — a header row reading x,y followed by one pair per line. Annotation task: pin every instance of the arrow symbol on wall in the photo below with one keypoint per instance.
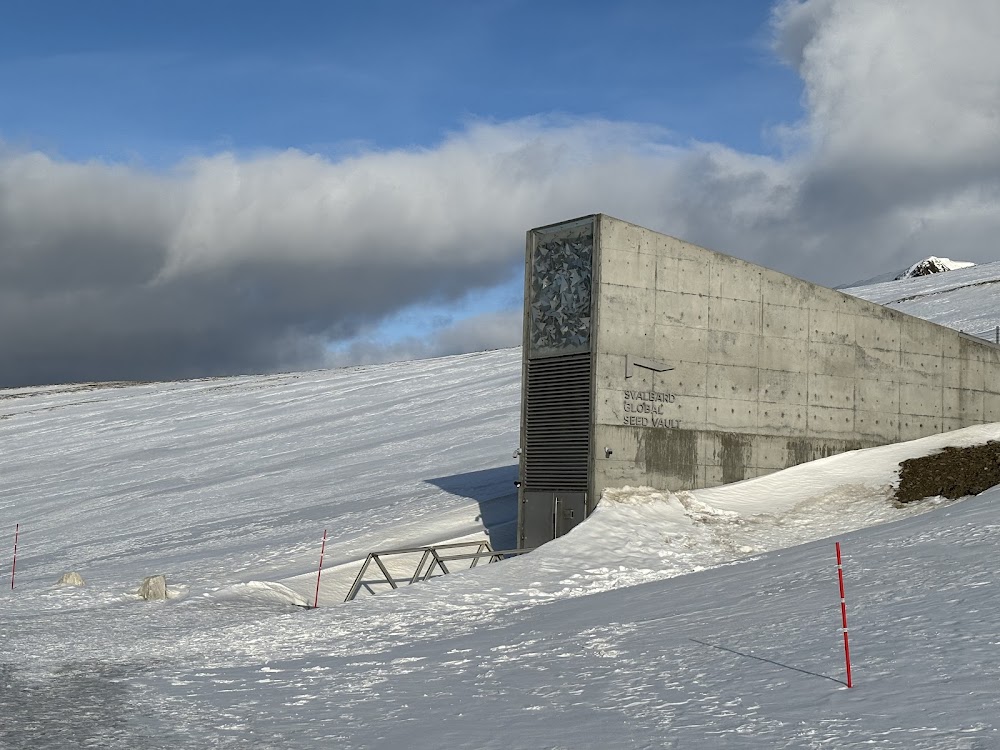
x,y
648,364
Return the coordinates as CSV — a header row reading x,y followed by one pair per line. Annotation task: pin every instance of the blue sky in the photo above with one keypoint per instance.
x,y
156,82
191,189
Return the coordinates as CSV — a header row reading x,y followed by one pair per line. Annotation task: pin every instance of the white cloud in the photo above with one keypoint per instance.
x,y
902,83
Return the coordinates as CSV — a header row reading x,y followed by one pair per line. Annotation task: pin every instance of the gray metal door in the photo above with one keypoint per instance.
x,y
547,514
536,518
569,509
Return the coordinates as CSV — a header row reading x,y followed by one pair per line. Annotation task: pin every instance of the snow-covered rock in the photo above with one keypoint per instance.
x,y
153,588
70,579
933,264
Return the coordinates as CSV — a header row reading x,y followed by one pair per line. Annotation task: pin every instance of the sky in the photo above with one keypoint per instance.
x,y
193,189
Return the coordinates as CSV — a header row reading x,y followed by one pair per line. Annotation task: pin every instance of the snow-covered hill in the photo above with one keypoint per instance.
x,y
696,619
925,267
966,299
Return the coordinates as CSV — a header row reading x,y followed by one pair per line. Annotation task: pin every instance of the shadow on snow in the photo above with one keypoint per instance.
x,y
494,490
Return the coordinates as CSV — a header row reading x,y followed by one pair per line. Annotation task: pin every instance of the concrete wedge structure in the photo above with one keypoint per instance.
x,y
652,361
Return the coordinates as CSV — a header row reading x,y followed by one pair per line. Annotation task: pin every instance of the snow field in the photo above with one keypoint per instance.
x,y
667,620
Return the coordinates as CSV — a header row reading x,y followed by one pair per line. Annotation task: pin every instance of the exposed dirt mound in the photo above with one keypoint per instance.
x,y
951,473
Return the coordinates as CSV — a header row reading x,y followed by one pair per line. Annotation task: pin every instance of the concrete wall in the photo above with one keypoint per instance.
x,y
769,371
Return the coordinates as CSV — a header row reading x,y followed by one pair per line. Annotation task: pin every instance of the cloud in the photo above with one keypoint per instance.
x,y
493,330
228,264
288,260
910,86
900,154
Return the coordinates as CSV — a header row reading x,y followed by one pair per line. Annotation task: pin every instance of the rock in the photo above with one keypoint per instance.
x,y
70,579
933,264
951,472
153,588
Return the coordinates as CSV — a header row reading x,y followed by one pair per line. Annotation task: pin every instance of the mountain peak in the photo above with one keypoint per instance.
x,y
933,264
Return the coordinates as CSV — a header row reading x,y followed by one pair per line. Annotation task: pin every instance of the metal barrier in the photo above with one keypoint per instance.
x,y
433,557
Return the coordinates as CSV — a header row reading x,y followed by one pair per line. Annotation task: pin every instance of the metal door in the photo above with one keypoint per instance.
x,y
546,515
569,509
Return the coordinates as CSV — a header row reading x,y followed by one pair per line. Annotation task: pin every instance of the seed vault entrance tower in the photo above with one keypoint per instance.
x,y
557,398
651,361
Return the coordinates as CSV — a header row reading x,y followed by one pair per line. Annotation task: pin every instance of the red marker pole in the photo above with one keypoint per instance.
x,y
322,550
13,567
843,616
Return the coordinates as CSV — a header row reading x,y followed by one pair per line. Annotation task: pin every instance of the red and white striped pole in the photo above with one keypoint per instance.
x,y
319,572
13,567
843,616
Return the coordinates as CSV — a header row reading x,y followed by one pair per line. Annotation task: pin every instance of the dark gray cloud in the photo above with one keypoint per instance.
x,y
230,264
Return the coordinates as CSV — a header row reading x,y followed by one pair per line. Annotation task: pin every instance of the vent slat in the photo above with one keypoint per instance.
x,y
557,423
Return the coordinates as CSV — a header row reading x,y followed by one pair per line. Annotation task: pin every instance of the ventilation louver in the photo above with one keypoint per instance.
x,y
557,423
